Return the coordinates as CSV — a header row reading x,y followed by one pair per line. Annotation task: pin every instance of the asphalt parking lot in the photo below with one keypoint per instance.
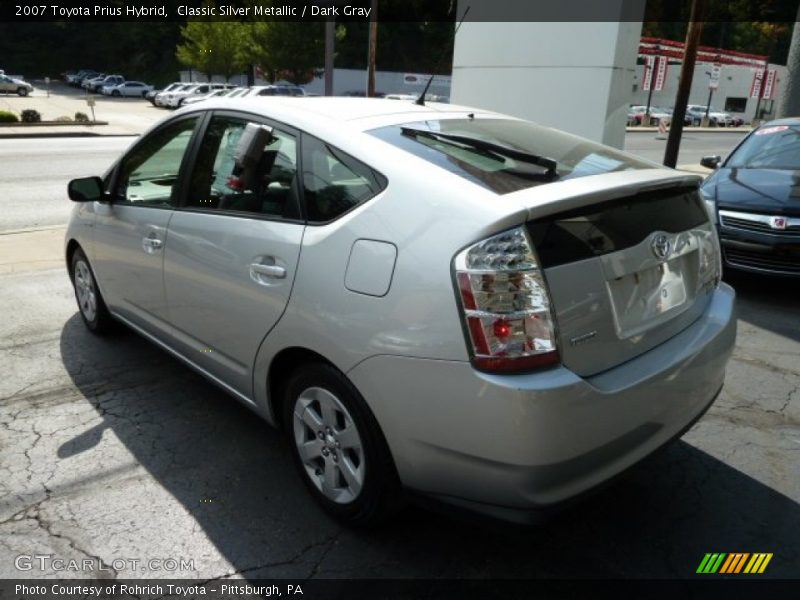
x,y
114,452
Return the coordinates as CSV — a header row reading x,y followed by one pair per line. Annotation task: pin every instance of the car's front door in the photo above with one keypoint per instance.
x,y
131,231
233,250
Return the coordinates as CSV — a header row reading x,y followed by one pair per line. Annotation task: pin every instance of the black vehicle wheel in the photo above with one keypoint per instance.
x,y
116,93
338,448
90,302
22,91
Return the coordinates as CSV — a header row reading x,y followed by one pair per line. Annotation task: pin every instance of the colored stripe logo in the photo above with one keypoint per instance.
x,y
734,563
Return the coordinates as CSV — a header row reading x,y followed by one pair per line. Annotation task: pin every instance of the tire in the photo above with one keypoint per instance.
x,y
346,464
116,93
22,91
91,305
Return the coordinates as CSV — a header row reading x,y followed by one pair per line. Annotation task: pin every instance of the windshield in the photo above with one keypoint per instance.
x,y
533,148
770,147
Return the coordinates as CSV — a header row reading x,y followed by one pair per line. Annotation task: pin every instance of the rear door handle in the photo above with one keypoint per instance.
x,y
151,243
274,271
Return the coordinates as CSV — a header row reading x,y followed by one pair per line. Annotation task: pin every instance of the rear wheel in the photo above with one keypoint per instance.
x,y
338,448
115,93
90,302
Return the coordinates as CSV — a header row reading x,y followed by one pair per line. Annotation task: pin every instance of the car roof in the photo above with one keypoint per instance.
x,y
357,113
786,121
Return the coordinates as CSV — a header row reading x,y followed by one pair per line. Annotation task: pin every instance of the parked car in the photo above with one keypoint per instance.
x,y
177,97
14,85
151,95
96,85
753,198
160,98
716,118
461,304
88,82
275,90
406,97
637,115
77,79
209,95
137,89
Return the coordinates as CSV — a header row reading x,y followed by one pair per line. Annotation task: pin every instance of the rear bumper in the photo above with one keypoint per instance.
x,y
507,444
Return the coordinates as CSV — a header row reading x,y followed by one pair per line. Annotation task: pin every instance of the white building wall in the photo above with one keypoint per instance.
x,y
573,76
734,82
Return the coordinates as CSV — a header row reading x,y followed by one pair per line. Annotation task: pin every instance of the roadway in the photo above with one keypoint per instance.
x,y
34,175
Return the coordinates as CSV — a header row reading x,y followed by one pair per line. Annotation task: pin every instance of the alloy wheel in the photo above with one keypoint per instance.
x,y
329,445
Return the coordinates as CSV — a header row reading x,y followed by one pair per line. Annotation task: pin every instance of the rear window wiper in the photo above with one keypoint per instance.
x,y
499,150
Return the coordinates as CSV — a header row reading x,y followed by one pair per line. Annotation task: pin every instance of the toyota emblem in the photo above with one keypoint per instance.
x,y
661,246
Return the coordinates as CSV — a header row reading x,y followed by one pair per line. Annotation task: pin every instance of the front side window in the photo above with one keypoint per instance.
x,y
149,174
335,182
268,188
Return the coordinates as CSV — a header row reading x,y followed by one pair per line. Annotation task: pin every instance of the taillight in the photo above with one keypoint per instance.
x,y
506,304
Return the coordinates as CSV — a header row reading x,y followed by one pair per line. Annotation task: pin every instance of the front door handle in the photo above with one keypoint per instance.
x,y
274,271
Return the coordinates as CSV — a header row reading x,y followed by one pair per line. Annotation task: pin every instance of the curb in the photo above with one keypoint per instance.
x,y
33,229
742,130
63,134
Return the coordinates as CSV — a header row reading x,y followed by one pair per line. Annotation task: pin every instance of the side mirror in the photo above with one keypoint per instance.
x,y
711,162
86,189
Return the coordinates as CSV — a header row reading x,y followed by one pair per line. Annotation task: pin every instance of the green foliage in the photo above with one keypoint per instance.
x,y
213,47
31,116
287,50
81,117
8,117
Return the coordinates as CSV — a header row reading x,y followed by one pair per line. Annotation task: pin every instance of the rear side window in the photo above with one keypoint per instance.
x,y
335,182
506,155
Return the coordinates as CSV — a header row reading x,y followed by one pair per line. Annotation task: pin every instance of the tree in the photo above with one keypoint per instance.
x,y
214,47
287,50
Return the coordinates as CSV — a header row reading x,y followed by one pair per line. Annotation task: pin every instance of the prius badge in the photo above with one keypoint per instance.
x,y
661,246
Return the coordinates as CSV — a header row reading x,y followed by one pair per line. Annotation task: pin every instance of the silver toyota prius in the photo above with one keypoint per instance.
x,y
432,299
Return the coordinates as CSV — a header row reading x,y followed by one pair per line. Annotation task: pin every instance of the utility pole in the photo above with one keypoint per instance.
x,y
330,36
790,94
372,47
761,91
685,82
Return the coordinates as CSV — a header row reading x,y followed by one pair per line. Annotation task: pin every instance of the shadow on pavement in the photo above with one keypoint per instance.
x,y
768,301
197,443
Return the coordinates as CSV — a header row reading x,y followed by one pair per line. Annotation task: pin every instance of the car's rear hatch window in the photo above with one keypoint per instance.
x,y
506,155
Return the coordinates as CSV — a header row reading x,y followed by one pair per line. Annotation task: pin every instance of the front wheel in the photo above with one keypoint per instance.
x,y
22,91
90,302
116,93
338,448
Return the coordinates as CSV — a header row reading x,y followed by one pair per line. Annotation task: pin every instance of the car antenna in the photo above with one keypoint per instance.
x,y
421,100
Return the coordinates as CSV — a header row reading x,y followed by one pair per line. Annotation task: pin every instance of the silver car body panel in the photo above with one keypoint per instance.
x,y
528,441
222,296
128,257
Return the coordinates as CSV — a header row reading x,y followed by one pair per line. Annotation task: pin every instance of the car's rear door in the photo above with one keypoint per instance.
x,y
131,231
233,251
